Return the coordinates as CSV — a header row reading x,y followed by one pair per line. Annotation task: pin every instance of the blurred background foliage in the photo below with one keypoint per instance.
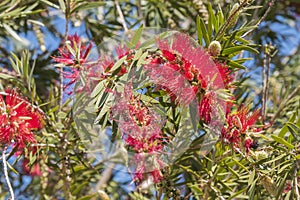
x,y
270,80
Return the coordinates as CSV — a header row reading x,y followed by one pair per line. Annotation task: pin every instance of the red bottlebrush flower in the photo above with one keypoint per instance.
x,y
248,143
189,75
18,120
33,170
238,124
74,52
194,61
157,175
168,55
122,51
148,164
140,127
174,83
226,74
75,55
205,108
244,120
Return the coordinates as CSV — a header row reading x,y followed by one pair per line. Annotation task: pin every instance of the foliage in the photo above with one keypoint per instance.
x,y
65,84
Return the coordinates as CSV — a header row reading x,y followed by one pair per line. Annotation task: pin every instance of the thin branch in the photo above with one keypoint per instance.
x,y
230,18
265,80
296,181
284,102
11,191
270,4
123,22
105,177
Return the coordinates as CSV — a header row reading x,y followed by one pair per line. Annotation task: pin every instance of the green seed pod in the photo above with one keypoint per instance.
x,y
269,185
214,48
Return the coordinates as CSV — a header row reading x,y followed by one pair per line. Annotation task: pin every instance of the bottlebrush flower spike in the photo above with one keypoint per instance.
x,y
74,52
196,60
33,170
74,57
238,125
18,119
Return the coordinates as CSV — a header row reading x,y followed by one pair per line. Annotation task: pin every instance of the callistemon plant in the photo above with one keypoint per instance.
x,y
102,106
158,96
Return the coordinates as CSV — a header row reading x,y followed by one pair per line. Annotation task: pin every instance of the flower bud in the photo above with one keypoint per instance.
x,y
103,195
214,48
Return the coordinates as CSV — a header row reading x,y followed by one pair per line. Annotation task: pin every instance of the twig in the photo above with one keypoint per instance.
x,y
284,102
11,191
105,176
261,19
265,80
123,22
230,18
296,181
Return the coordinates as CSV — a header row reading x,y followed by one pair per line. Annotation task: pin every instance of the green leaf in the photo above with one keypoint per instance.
x,y
281,185
50,4
294,130
282,141
251,177
118,64
11,168
6,76
211,20
61,115
87,5
204,32
79,188
240,164
62,5
237,193
14,34
199,31
87,197
136,38
285,129
238,49
235,64
99,88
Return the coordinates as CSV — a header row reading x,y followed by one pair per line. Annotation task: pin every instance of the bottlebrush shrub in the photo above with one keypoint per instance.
x,y
144,93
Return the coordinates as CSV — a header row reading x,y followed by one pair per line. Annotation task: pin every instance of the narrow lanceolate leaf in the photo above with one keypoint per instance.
x,y
136,38
204,32
282,141
87,5
118,64
14,34
237,49
5,76
212,22
235,64
294,130
251,177
238,193
285,129
199,31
